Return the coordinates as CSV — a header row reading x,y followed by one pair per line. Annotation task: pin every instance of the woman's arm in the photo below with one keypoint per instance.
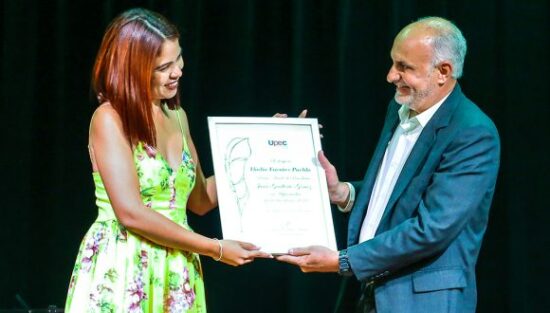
x,y
114,160
204,196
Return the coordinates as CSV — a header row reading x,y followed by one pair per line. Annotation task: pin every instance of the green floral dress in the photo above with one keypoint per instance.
x,y
119,271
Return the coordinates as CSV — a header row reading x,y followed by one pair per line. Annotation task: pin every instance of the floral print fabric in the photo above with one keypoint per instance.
x,y
118,271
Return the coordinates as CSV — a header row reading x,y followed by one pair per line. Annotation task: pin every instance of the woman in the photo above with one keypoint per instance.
x,y
140,255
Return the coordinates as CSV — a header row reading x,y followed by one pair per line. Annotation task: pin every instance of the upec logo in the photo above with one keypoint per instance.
x,y
277,143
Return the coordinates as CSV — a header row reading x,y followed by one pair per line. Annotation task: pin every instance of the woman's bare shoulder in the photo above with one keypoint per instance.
x,y
105,116
106,124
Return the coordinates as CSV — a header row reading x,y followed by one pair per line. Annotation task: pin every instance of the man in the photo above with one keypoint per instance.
x,y
421,211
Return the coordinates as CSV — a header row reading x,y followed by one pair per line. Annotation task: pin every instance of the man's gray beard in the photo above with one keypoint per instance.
x,y
407,104
413,98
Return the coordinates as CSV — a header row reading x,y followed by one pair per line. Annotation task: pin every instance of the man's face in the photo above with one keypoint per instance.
x,y
412,70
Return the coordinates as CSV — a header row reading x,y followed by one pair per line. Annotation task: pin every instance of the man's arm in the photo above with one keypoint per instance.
x,y
460,188
464,180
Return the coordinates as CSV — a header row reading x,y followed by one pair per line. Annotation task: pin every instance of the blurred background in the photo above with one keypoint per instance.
x,y
256,58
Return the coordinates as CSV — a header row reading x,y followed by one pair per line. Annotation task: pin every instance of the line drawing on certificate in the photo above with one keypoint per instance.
x,y
237,153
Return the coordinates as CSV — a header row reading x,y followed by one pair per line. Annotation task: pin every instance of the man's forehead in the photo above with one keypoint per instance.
x,y
411,48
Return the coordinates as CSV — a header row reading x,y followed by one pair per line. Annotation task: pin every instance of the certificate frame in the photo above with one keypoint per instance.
x,y
271,189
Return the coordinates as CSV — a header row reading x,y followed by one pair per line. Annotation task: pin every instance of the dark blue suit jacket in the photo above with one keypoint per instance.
x,y
423,256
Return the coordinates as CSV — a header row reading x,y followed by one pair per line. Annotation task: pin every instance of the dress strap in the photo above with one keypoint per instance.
x,y
181,127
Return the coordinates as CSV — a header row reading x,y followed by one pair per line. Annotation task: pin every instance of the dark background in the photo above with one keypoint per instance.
x,y
255,58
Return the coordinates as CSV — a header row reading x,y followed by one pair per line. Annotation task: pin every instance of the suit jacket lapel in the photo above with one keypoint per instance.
x,y
427,138
362,199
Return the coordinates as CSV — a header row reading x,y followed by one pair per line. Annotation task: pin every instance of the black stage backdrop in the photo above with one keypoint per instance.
x,y
255,58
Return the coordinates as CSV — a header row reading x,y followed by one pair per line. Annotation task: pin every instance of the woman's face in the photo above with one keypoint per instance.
x,y
167,70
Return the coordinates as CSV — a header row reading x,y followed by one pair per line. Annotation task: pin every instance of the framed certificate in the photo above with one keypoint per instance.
x,y
272,191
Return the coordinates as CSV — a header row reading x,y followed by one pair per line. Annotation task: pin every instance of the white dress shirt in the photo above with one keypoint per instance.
x,y
397,152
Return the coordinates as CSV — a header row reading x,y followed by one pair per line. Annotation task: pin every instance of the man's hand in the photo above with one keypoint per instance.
x,y
312,259
338,191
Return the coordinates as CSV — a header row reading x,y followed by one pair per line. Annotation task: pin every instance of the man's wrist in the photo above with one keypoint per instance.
x,y
346,206
344,267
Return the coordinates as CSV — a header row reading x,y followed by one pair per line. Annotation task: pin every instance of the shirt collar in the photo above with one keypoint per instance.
x,y
422,118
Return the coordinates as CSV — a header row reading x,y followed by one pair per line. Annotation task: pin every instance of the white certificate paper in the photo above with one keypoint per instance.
x,y
271,188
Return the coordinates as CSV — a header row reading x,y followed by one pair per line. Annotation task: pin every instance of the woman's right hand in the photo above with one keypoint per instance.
x,y
238,253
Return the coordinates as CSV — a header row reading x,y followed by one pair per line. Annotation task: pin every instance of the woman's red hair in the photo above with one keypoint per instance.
x,y
123,69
